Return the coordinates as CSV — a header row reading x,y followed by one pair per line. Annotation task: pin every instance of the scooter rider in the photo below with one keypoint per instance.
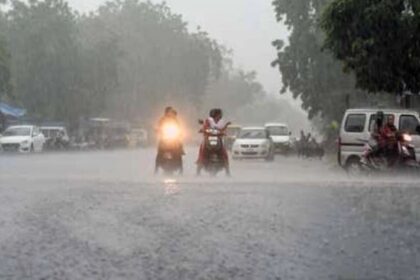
x,y
170,115
389,134
383,136
214,121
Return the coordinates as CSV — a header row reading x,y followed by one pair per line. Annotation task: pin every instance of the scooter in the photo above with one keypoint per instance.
x,y
213,161
170,150
401,157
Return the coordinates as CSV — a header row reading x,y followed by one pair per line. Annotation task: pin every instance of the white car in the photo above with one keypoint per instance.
x,y
22,138
253,142
280,134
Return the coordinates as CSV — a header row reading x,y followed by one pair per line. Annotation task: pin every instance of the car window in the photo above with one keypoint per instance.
x,y
355,123
17,131
278,130
253,134
409,123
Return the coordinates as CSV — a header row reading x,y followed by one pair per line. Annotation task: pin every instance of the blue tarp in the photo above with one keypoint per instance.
x,y
8,110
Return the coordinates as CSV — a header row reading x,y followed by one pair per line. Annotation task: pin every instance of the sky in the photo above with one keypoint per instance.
x,y
246,26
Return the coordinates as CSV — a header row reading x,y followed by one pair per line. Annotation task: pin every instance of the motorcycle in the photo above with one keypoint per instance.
x,y
401,156
213,161
170,149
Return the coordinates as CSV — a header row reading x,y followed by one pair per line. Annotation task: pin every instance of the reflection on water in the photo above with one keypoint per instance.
x,y
171,187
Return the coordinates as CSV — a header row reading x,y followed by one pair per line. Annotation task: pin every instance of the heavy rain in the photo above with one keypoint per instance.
x,y
214,139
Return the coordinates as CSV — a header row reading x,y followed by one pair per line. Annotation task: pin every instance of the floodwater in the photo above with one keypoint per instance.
x,y
103,215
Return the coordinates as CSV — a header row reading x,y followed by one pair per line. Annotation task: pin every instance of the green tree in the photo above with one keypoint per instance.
x,y
45,58
5,86
127,60
379,41
309,73
158,61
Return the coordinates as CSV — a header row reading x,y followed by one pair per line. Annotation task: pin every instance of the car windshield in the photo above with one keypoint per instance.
x,y
253,134
278,130
17,131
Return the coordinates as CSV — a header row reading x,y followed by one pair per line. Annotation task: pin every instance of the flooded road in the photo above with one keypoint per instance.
x,y
103,215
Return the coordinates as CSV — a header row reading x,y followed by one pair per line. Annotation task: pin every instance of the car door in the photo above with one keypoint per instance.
x,y
354,133
409,123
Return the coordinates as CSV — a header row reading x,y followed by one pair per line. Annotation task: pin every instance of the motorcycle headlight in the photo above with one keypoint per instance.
x,y
407,138
171,131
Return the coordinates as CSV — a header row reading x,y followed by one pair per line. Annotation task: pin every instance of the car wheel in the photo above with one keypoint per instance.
x,y
354,167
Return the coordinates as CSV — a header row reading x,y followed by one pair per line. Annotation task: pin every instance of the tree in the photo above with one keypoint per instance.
x,y
5,86
158,61
45,58
378,41
309,73
127,60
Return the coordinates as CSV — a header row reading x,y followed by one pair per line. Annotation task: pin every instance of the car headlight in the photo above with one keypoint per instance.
x,y
265,146
25,143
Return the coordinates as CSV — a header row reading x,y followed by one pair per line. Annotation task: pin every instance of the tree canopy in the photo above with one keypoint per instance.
x,y
127,60
307,71
379,41
5,86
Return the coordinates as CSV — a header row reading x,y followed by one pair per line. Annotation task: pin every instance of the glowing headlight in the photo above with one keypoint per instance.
x,y
407,138
170,131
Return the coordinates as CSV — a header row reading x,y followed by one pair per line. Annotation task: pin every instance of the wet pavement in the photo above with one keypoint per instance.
x,y
103,215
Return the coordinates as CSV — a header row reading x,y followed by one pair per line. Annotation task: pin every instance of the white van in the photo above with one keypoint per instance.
x,y
280,134
357,126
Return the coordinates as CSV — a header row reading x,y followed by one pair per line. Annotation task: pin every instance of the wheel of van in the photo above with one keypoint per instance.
x,y
354,167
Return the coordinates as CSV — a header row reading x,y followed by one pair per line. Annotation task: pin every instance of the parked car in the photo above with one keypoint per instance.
x,y
357,126
253,142
280,134
56,137
231,134
22,138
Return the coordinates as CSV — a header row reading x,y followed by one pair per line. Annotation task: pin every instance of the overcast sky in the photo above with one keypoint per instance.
x,y
246,26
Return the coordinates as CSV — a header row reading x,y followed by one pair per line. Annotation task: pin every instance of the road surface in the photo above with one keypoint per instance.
x,y
103,215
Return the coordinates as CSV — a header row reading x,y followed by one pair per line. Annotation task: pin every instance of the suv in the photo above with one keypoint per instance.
x,y
358,124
